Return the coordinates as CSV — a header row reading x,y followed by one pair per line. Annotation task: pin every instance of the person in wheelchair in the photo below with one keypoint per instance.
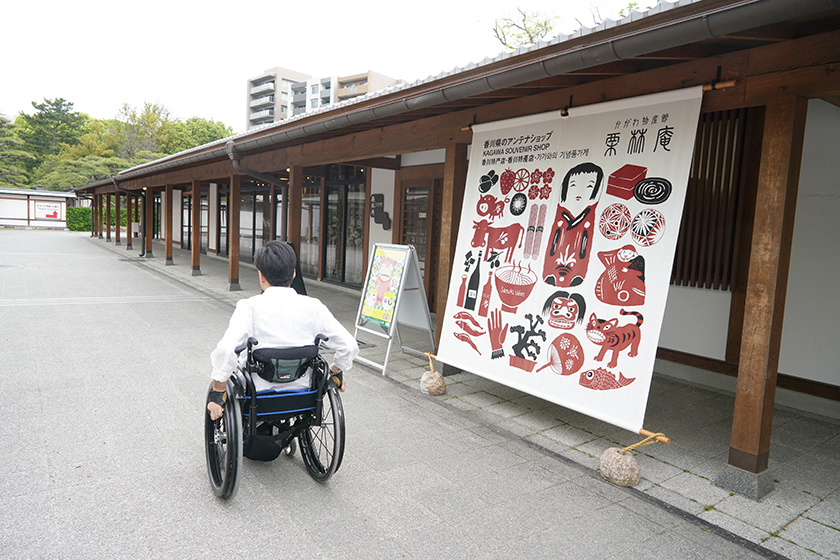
x,y
278,318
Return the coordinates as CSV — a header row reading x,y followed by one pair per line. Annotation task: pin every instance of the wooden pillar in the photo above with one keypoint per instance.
x,y
272,213
195,239
233,233
129,225
452,198
117,220
778,183
168,226
293,206
108,217
97,215
149,212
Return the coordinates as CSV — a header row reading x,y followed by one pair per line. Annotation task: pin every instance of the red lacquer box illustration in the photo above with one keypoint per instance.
x,y
621,182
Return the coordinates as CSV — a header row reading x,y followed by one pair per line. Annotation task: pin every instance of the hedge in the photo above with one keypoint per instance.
x,y
78,218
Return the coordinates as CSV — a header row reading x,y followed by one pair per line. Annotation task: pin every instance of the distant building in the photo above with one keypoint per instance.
x,y
28,208
279,93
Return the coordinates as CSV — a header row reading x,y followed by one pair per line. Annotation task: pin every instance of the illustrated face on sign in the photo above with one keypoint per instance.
x,y
386,270
581,187
564,309
626,254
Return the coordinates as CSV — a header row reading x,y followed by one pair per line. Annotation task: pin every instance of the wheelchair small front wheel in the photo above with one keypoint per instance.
x,y
322,447
223,448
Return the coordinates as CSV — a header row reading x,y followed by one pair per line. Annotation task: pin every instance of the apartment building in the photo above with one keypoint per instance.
x,y
270,96
280,93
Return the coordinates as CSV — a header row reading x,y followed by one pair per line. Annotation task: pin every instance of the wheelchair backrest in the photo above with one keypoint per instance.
x,y
282,365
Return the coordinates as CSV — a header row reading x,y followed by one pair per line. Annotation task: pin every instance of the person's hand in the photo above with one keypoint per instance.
x,y
339,379
497,334
215,410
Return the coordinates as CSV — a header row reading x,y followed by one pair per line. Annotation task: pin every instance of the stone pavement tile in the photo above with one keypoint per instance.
x,y
827,511
772,513
461,404
701,545
812,472
655,470
536,421
506,410
455,390
804,433
595,483
700,489
790,550
734,525
820,538
569,435
442,540
677,500
587,460
781,454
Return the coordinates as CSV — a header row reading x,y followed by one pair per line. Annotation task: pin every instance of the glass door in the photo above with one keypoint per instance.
x,y
310,228
420,211
344,216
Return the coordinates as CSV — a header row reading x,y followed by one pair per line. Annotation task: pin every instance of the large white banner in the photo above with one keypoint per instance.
x,y
565,249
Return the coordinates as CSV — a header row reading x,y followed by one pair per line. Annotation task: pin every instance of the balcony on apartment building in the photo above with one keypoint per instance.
x,y
352,89
268,86
264,114
262,101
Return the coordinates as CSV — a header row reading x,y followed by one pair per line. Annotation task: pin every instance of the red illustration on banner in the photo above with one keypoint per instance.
x,y
615,221
567,257
498,238
609,336
497,334
514,285
623,279
602,380
622,182
564,309
565,355
464,337
490,207
648,227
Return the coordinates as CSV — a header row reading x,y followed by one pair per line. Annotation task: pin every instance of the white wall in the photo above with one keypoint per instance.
x,y
810,339
696,320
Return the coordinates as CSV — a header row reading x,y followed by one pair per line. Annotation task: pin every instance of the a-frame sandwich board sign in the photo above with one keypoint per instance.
x,y
393,294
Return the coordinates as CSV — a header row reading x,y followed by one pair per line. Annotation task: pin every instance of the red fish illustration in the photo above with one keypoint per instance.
x,y
464,316
603,380
466,338
469,329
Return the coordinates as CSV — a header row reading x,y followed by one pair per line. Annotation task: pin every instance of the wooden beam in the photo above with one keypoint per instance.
x,y
117,240
778,184
167,193
452,198
149,211
195,248
108,217
233,233
294,206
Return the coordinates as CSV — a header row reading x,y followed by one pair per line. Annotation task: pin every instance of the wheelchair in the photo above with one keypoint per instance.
x,y
262,425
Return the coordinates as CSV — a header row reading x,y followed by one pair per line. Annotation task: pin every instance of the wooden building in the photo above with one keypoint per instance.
x,y
391,167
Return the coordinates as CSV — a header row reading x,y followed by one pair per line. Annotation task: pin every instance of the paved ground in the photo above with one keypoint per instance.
x,y
106,366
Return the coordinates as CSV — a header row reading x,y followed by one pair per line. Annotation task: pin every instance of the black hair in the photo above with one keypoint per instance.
x,y
276,260
587,167
577,298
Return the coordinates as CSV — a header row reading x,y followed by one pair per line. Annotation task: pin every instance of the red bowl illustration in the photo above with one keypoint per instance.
x,y
514,285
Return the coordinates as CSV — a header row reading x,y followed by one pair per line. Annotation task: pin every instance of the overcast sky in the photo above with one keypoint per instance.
x,y
195,57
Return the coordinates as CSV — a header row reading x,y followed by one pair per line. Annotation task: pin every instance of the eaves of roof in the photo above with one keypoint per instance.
x,y
666,25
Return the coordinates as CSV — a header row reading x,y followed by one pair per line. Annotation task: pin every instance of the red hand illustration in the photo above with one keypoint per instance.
x,y
497,334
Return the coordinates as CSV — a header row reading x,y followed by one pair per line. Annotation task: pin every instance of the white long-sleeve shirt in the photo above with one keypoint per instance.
x,y
281,318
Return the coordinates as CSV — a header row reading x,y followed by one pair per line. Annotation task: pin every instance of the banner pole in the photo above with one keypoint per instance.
x,y
660,438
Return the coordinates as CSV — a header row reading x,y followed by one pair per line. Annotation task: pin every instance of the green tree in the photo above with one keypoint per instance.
x,y
525,28
194,132
64,174
143,131
54,123
13,156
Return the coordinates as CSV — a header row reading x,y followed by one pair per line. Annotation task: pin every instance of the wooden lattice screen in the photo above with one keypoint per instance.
x,y
705,256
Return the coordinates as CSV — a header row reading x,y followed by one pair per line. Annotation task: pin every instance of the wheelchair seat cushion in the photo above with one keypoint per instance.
x,y
282,365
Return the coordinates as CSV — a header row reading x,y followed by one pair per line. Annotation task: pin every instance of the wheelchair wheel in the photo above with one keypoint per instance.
x,y
322,447
223,448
